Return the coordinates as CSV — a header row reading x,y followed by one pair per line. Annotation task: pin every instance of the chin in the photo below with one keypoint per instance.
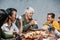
x,y
30,18
13,20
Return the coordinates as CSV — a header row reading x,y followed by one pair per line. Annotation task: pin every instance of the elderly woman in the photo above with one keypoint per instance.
x,y
27,21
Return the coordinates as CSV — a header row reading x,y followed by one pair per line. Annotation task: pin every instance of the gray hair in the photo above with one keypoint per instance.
x,y
29,9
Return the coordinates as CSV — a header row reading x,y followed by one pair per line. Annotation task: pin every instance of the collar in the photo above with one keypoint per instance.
x,y
7,25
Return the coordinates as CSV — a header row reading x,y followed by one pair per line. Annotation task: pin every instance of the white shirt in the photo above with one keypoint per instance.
x,y
10,30
57,33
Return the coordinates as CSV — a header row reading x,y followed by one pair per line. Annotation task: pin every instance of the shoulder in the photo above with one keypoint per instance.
x,y
22,16
46,23
4,25
55,21
13,24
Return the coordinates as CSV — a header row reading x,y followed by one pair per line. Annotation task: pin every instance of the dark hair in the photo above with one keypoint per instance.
x,y
3,16
52,15
10,10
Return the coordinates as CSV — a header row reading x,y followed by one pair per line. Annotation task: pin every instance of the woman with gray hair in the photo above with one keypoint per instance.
x,y
27,21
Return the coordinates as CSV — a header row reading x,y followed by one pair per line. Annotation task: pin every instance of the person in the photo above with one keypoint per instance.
x,y
59,20
3,17
8,27
26,20
51,22
58,32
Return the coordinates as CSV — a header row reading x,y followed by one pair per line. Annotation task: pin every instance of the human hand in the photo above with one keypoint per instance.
x,y
49,23
33,22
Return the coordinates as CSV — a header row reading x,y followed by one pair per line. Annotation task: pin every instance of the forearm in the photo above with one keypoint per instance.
x,y
25,27
34,27
57,33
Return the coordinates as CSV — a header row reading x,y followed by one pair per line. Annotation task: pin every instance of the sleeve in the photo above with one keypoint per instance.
x,y
3,28
16,29
25,27
20,17
57,33
56,25
17,23
34,27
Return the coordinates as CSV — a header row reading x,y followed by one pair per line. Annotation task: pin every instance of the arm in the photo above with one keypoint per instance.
x,y
5,35
56,25
26,27
23,26
34,27
15,28
57,33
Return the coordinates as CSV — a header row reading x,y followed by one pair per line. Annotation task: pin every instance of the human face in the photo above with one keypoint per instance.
x,y
13,17
59,19
29,15
49,18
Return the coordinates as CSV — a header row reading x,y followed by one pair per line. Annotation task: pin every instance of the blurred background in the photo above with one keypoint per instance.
x,y
41,7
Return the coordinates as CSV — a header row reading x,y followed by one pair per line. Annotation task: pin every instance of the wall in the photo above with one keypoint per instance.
x,y
42,7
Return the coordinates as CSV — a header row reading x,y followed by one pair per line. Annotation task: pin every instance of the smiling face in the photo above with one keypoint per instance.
x,y
13,16
58,19
29,14
49,18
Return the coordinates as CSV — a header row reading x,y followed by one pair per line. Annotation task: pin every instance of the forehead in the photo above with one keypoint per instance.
x,y
48,15
14,12
29,11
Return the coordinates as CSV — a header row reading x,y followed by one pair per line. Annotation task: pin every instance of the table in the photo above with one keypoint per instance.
x,y
39,35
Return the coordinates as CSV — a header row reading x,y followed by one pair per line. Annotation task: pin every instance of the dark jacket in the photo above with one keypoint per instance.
x,y
26,25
